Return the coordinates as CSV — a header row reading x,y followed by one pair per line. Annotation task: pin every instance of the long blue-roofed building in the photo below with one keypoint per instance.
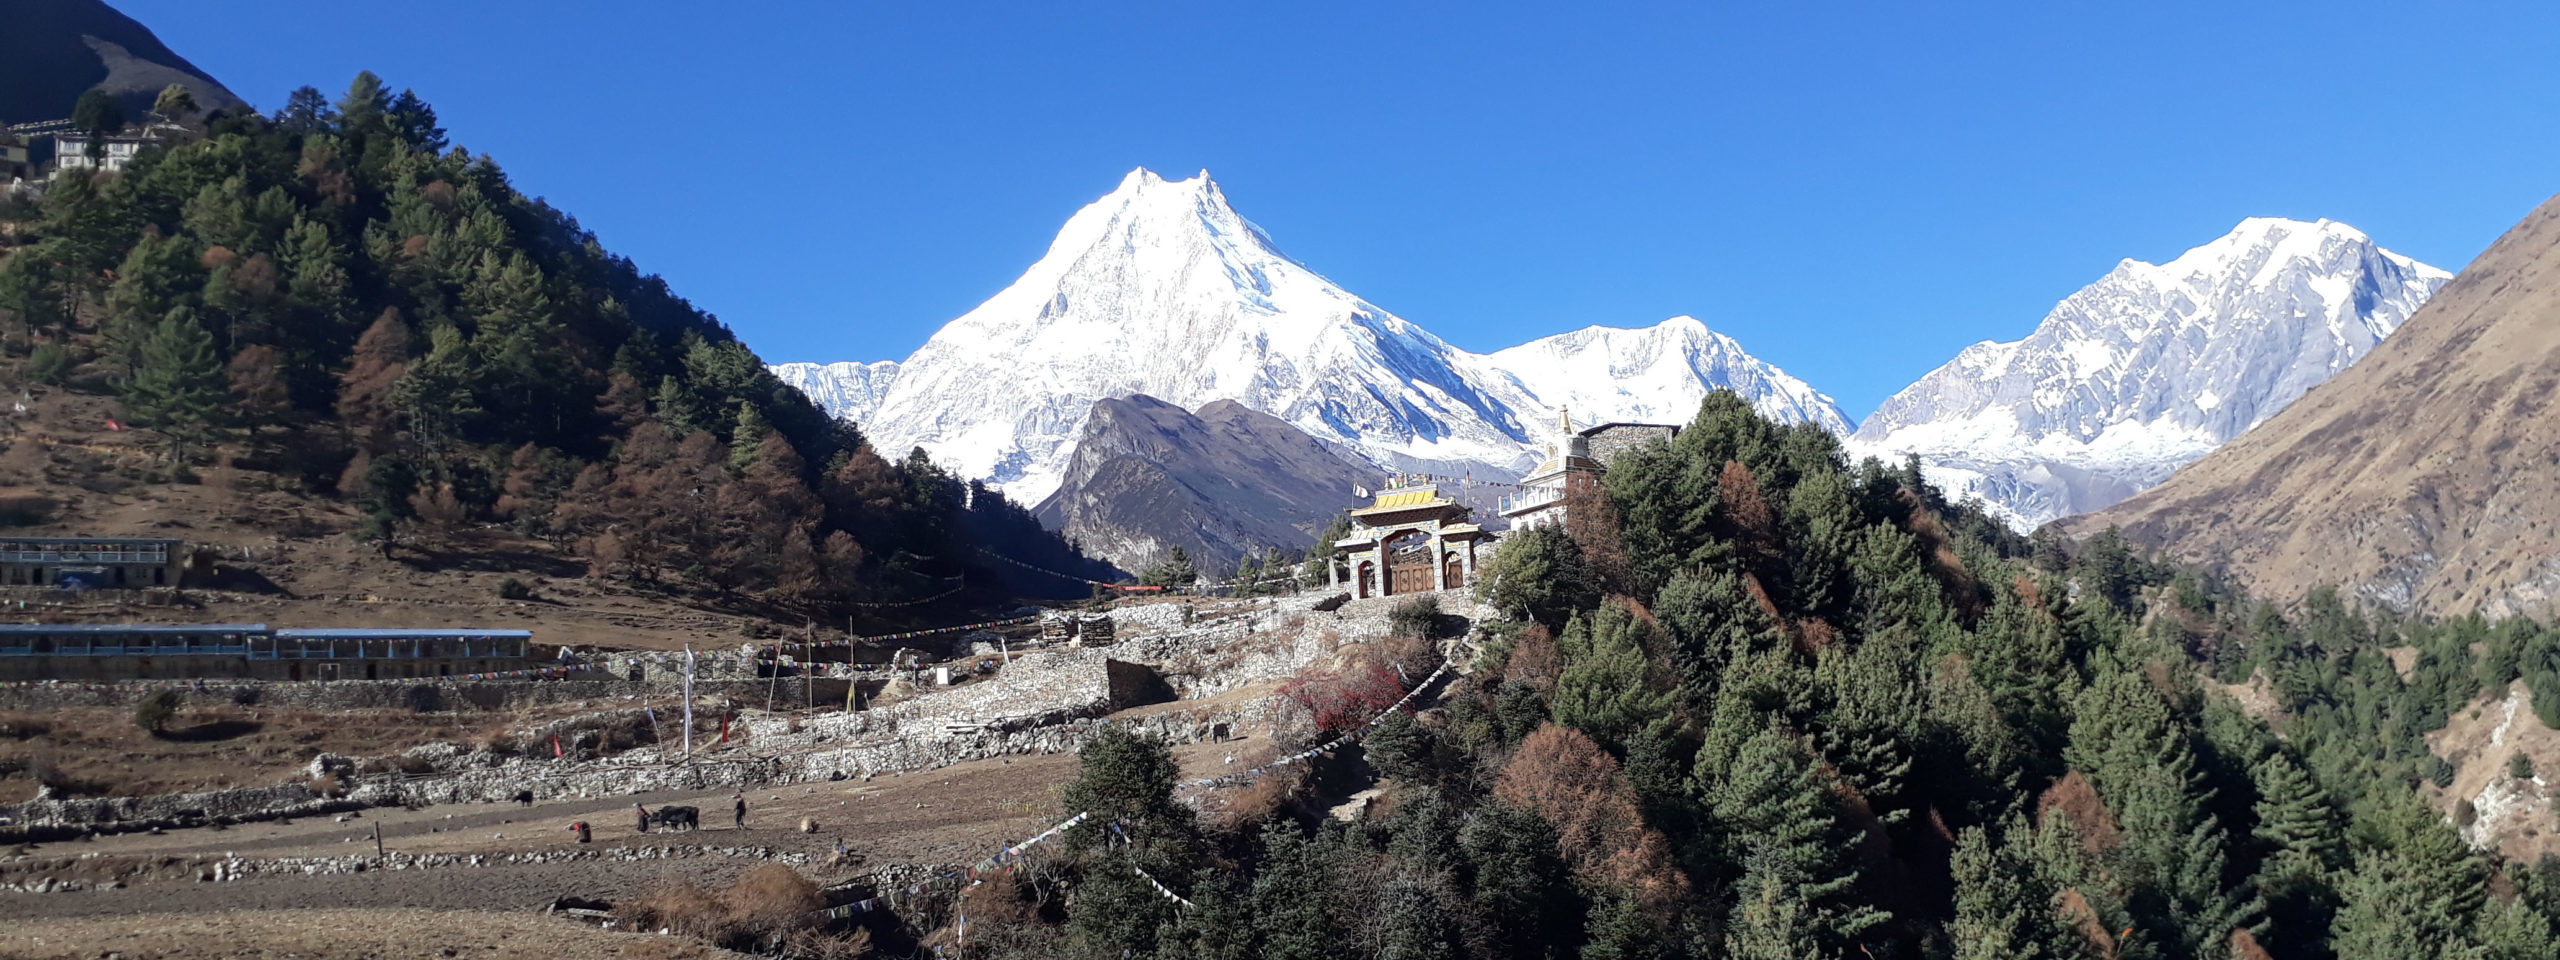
x,y
146,651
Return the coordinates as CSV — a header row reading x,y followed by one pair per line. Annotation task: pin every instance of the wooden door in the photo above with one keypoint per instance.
x,y
1409,567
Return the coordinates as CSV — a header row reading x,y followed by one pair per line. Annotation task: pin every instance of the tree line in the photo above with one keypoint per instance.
x,y
337,295
1754,701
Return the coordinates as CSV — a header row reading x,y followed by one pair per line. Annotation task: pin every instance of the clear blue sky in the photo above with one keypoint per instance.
x,y
1854,191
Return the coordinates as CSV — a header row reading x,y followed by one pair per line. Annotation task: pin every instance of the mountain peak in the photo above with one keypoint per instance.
x,y
1161,288
2152,366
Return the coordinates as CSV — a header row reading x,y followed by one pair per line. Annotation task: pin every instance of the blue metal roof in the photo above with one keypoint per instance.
x,y
129,629
399,633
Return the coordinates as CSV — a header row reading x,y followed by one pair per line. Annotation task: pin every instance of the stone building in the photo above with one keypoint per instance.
x,y
1573,466
1409,540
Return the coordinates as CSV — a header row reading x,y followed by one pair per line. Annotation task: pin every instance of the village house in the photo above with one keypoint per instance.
x,y
71,151
93,562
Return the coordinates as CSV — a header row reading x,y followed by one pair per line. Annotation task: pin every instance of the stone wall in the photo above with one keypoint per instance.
x,y
1611,442
453,695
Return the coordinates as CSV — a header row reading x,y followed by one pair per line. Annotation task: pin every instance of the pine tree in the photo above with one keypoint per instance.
x,y
177,386
1288,899
2002,908
1606,688
1774,804
1397,747
2389,913
1415,924
1620,929
1175,570
1518,881
1773,922
1127,778
1539,575
1871,728
2510,930
1712,621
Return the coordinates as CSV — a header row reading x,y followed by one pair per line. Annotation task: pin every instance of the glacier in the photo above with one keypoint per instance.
x,y
1162,289
846,390
2149,368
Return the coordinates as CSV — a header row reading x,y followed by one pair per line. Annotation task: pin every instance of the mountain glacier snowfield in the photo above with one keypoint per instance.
x,y
2150,368
1162,289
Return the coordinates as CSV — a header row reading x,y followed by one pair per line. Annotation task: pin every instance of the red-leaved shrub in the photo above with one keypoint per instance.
x,y
1344,699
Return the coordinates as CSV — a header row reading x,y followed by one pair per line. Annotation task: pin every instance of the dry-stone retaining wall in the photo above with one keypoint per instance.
x,y
455,695
1042,703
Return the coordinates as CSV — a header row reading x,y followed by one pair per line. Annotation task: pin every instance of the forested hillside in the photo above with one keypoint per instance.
x,y
340,298
1762,704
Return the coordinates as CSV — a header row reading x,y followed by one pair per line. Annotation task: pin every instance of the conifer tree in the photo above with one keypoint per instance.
x,y
2002,909
1415,924
2388,912
2295,819
1620,929
1773,922
1712,620
1606,689
1539,575
2510,930
177,386
1773,804
1288,900
1518,881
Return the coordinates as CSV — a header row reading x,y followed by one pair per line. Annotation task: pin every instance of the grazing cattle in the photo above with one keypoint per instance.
x,y
672,817
524,797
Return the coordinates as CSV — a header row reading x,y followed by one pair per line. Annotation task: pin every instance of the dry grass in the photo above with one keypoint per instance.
x,y
767,904
97,751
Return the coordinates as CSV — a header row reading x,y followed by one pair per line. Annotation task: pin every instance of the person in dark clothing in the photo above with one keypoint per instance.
x,y
644,817
741,811
581,828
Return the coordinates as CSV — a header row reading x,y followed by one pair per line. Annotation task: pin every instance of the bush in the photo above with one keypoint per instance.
x,y
49,363
1415,617
514,589
2520,766
1343,700
768,903
156,710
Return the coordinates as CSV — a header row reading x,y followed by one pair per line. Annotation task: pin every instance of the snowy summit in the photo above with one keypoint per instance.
x,y
2151,367
1161,288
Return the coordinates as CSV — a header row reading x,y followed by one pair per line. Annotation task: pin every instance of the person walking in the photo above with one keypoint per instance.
x,y
644,817
741,811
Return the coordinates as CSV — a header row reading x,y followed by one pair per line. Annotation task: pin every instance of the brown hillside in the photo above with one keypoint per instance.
x,y
2425,478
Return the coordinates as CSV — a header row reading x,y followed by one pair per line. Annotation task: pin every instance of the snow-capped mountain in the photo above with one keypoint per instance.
x,y
2151,367
1656,374
1162,289
846,390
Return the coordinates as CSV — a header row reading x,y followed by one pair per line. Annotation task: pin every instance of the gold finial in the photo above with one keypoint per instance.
x,y
1564,419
